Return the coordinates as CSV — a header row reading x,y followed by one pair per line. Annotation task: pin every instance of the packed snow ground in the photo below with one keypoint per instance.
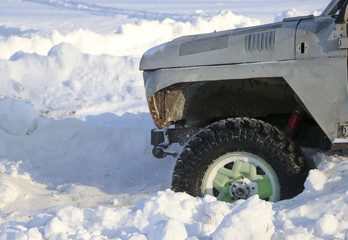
x,y
75,154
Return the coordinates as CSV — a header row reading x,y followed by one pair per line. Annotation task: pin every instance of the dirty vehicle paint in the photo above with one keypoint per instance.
x,y
263,73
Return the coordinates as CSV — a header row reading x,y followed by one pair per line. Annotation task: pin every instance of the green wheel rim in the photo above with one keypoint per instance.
x,y
257,174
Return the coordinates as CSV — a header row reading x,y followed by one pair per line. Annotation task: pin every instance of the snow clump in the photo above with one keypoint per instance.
x,y
326,225
254,214
17,117
315,180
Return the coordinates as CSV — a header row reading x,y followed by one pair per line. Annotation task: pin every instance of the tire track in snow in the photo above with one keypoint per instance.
x,y
95,9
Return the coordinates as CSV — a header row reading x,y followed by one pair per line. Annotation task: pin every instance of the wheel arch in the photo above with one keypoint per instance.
x,y
203,102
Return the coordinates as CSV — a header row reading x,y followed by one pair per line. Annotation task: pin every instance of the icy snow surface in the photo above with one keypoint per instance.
x,y
75,154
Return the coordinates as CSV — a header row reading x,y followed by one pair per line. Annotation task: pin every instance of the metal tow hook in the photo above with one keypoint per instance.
x,y
159,152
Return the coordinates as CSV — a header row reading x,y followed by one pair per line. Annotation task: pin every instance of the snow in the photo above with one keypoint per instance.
x,y
316,180
256,214
75,154
326,225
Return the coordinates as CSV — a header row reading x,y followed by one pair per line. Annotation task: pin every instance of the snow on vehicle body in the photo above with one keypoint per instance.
x,y
220,89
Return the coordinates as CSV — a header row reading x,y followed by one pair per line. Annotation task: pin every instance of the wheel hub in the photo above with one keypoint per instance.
x,y
241,188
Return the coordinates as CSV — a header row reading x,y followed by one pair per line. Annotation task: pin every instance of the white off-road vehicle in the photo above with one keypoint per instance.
x,y
244,101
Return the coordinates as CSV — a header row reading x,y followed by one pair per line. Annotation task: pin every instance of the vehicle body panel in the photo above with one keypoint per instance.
x,y
309,54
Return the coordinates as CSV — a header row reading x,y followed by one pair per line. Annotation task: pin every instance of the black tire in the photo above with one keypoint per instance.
x,y
240,135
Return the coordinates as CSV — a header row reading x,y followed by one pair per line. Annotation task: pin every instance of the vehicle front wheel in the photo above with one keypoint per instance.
x,y
239,157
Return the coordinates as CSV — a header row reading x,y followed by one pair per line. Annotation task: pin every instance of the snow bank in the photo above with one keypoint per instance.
x,y
166,215
128,39
67,82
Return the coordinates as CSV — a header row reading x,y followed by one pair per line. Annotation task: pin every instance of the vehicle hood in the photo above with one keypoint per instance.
x,y
262,43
